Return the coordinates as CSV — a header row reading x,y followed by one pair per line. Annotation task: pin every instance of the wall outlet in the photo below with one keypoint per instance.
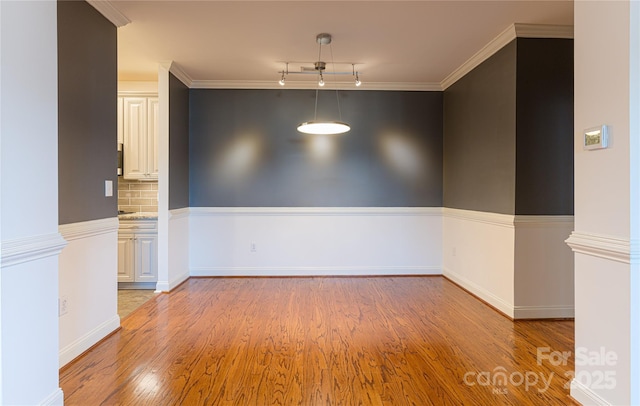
x,y
252,247
454,251
63,305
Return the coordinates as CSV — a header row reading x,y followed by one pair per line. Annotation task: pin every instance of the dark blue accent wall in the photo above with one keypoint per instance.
x,y
244,150
544,125
508,132
87,119
178,144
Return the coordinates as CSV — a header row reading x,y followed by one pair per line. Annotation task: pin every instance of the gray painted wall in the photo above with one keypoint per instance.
x,y
87,120
544,145
245,150
479,136
178,144
508,132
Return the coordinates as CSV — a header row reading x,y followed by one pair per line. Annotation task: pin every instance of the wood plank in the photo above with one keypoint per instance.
x,y
321,340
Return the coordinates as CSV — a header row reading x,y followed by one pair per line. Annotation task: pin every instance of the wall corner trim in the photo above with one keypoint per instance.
x,y
110,12
163,286
85,229
607,247
584,395
176,214
27,249
54,399
509,34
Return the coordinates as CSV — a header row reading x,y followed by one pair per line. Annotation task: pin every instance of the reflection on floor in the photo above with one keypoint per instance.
x,y
130,299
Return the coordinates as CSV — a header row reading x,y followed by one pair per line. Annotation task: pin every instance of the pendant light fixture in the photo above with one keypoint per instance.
x,y
323,127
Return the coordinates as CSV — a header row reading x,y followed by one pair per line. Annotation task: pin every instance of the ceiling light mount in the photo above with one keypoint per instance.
x,y
323,38
320,67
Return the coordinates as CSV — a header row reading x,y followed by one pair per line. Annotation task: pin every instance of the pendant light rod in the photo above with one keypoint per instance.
x,y
323,127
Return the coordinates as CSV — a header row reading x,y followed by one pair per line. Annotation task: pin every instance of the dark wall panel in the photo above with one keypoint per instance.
x,y
544,152
245,150
87,120
178,144
480,136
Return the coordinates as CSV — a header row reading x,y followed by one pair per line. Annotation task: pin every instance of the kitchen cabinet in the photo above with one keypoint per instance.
x,y
138,253
139,124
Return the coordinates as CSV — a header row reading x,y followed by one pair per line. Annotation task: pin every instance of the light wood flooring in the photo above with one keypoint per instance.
x,y
321,341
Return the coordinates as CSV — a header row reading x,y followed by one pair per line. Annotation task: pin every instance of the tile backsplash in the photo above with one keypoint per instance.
x,y
137,196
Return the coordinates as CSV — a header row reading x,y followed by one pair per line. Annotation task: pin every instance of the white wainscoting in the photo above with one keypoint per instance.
x,y
88,281
178,250
314,241
518,264
478,252
29,323
544,267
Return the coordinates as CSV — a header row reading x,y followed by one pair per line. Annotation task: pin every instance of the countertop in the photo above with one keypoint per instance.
x,y
141,215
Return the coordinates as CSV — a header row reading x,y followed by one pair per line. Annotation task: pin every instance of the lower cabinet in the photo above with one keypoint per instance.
x,y
137,253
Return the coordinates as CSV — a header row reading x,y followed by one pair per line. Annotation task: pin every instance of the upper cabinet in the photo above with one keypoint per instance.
x,y
139,124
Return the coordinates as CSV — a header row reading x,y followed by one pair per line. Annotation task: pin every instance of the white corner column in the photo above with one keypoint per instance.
x,y
607,205
163,177
31,243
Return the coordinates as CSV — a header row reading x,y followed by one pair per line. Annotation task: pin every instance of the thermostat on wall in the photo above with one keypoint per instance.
x,y
596,138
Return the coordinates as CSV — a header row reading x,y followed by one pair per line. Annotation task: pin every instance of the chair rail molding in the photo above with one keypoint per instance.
x,y
86,229
603,246
27,249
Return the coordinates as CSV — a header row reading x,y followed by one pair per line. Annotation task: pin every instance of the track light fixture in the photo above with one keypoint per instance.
x,y
319,67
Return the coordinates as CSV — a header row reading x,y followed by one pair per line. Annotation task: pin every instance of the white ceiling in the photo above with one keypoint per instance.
x,y
409,43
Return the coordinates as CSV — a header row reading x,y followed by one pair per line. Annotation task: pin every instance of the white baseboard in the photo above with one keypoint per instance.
x,y
56,398
480,292
71,351
543,312
585,396
163,286
316,271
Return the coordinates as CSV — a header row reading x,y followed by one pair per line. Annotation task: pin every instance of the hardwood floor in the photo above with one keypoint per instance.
x,y
323,340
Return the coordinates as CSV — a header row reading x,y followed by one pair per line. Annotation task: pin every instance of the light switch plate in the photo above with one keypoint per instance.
x,y
108,188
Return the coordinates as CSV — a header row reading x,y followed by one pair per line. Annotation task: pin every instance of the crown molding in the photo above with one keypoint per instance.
x,y
312,85
543,31
179,73
110,12
509,34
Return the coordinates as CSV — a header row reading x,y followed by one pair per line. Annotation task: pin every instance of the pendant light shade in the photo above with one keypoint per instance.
x,y
315,126
324,127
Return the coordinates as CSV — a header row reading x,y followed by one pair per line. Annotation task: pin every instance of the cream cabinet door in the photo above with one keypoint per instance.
x,y
135,137
146,258
126,259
